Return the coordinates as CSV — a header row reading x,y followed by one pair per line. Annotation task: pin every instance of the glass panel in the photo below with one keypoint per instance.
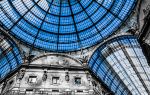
x,y
10,58
70,25
118,63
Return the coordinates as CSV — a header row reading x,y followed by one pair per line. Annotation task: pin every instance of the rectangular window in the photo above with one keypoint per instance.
x,y
79,91
78,80
29,91
32,79
55,80
55,90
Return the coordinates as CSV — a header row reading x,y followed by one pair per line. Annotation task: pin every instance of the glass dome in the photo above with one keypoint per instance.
x,y
10,58
63,25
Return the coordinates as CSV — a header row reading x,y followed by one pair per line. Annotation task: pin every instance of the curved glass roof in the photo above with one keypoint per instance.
x,y
10,58
122,66
63,25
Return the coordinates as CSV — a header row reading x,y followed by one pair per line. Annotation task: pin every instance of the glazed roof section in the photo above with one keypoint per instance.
x,y
63,25
122,66
10,57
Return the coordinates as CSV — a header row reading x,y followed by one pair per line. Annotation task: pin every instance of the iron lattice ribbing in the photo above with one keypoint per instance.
x,y
63,25
10,57
122,66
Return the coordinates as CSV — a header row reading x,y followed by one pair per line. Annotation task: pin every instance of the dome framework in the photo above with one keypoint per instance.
x,y
10,57
63,25
122,66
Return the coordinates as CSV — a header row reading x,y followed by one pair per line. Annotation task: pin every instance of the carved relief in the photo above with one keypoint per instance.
x,y
146,10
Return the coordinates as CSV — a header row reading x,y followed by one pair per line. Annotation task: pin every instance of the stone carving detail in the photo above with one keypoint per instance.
x,y
146,10
66,63
84,59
